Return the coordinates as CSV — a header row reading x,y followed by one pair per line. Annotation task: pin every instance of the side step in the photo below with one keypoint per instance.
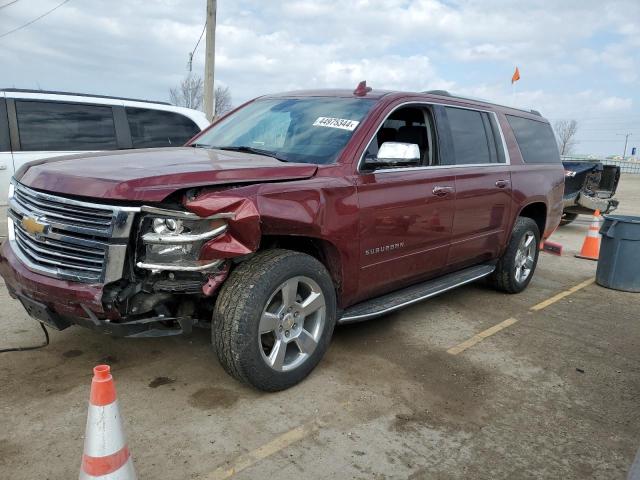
x,y
415,293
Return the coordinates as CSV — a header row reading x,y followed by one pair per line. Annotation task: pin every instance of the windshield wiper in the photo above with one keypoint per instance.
x,y
200,145
257,151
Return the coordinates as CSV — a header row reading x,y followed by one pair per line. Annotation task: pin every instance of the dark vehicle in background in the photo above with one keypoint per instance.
x,y
589,185
291,214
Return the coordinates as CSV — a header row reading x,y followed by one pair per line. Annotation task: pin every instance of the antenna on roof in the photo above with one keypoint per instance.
x,y
362,89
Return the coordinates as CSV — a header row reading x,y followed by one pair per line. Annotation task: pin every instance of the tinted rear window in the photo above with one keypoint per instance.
x,y
535,139
469,135
156,128
53,126
4,127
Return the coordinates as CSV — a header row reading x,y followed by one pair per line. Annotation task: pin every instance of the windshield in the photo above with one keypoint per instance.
x,y
310,130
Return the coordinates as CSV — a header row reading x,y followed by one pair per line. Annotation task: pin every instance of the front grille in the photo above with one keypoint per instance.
x,y
67,238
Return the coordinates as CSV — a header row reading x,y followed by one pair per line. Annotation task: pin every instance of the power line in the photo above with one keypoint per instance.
x,y
193,52
8,4
35,19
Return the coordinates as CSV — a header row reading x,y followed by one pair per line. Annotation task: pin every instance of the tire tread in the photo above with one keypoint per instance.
x,y
502,277
234,305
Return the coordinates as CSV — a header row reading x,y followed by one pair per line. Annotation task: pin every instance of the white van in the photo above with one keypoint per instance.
x,y
36,124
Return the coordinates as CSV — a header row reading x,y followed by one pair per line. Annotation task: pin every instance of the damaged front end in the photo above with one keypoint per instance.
x,y
178,261
132,271
589,186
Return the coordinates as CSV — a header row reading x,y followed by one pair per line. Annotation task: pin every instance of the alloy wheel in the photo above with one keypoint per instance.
x,y
525,257
292,323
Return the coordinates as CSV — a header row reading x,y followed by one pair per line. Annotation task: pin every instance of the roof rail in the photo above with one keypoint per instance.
x,y
53,92
442,93
445,93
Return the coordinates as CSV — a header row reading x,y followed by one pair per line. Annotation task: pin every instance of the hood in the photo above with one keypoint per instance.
x,y
150,175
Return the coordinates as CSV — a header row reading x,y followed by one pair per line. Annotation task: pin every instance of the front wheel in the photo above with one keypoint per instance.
x,y
516,266
273,319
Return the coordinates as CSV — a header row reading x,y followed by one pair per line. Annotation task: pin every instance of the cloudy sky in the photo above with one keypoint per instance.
x,y
579,59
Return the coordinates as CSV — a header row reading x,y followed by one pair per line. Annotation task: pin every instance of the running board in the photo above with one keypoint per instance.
x,y
415,293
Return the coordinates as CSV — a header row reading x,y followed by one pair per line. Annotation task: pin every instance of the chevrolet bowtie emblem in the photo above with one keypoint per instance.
x,y
33,225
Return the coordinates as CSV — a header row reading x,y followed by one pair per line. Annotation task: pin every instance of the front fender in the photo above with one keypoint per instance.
x,y
243,233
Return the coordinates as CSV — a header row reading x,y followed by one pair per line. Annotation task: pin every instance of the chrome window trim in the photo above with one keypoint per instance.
x,y
435,167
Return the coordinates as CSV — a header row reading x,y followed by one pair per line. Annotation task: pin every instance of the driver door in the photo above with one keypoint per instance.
x,y
406,212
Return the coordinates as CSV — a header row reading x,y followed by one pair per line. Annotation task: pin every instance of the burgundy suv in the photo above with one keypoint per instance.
x,y
291,214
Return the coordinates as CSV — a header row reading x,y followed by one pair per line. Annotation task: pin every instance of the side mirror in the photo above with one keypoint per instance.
x,y
397,152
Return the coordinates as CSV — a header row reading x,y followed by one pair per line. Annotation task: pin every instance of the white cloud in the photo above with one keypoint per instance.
x,y
615,104
576,56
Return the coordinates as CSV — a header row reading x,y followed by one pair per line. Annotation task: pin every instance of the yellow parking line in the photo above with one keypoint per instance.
x,y
461,347
279,443
561,295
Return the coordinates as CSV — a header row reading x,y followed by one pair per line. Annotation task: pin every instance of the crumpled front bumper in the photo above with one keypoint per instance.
x,y
60,303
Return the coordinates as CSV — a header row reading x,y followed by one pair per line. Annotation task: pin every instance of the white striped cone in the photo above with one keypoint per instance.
x,y
106,455
591,246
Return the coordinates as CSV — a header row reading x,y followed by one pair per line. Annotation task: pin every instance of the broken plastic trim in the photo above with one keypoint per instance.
x,y
179,268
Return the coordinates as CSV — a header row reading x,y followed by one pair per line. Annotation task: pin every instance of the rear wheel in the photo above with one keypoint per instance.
x,y
274,318
518,263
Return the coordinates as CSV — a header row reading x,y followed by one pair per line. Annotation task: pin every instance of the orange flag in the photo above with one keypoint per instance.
x,y
516,76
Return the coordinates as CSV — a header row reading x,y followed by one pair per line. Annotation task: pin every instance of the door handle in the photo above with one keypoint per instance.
x,y
502,183
442,190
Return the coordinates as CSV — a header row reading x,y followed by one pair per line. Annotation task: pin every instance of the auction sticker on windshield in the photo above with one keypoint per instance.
x,y
336,123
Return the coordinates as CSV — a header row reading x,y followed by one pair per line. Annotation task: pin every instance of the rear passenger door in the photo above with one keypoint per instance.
x,y
483,186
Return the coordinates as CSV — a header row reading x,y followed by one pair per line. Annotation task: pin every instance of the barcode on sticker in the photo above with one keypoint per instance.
x,y
341,123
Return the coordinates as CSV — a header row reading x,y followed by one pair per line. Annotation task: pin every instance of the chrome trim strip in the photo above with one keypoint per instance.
x,y
181,214
98,212
34,245
356,318
104,231
158,238
178,268
49,271
434,167
79,203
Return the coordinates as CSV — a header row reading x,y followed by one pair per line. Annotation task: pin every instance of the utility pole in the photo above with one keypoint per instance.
x,y
626,139
210,60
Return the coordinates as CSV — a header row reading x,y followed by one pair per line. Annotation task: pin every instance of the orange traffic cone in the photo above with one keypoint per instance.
x,y
106,455
591,246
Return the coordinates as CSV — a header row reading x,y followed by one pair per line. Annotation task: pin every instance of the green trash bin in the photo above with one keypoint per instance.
x,y
619,262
